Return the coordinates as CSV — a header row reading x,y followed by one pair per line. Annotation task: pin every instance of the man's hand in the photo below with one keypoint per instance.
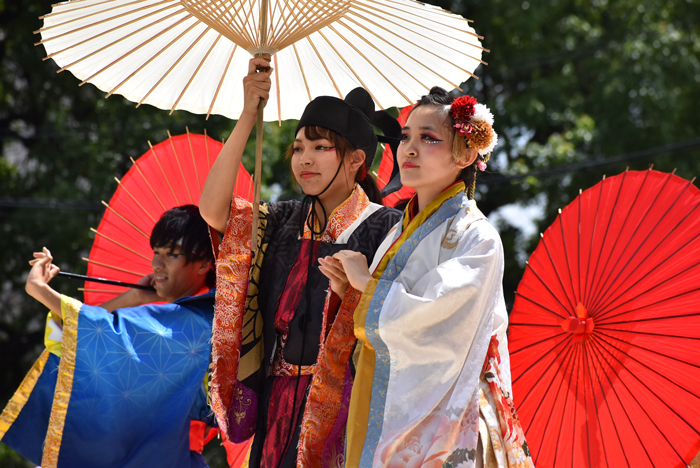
x,y
37,285
134,297
42,272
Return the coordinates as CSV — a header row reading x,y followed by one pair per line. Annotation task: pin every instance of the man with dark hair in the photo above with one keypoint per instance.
x,y
120,389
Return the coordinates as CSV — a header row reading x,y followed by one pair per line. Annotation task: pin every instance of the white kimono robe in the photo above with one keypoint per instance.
x,y
430,338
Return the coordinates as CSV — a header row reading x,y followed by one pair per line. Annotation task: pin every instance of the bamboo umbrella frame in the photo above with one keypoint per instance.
x,y
169,53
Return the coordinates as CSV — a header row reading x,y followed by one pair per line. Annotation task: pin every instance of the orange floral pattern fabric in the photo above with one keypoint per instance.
x,y
343,216
232,274
324,399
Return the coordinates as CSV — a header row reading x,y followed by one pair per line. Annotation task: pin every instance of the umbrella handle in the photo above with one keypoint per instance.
x,y
106,281
258,163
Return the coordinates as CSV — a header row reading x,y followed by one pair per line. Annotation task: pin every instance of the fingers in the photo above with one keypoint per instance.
x,y
345,256
333,269
337,284
37,256
53,271
147,280
257,86
257,62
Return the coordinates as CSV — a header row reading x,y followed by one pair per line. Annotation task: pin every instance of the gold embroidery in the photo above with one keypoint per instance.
x,y
236,303
19,399
64,385
451,240
239,413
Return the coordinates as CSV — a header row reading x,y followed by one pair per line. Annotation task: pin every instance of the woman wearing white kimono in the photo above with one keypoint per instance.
x,y
432,381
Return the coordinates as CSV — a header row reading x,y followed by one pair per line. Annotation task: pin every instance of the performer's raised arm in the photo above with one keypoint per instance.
x,y
37,285
215,203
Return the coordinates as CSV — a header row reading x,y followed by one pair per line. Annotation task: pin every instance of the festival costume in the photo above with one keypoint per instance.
x,y
259,335
431,326
123,391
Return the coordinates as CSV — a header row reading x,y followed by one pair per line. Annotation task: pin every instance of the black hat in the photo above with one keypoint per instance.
x,y
352,118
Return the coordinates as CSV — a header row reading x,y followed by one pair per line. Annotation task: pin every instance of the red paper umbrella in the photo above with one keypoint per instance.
x,y
170,174
386,167
606,326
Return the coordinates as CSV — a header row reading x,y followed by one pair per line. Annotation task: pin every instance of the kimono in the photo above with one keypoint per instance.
x,y
123,391
274,313
432,366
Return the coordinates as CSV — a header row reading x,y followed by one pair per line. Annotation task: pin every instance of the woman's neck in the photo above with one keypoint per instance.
x,y
427,194
331,201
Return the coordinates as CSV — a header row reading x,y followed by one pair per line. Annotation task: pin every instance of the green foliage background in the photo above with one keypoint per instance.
x,y
573,85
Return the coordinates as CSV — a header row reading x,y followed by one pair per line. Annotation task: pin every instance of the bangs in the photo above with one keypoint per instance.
x,y
183,227
313,132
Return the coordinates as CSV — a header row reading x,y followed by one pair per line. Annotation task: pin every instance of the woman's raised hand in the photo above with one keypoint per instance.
x,y
215,202
256,85
333,270
355,267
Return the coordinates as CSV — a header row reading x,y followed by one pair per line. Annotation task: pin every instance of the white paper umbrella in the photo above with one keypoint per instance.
x,y
192,55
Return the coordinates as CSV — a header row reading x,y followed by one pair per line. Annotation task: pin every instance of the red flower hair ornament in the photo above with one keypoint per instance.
x,y
473,126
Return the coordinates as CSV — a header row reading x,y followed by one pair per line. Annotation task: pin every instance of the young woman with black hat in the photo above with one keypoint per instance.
x,y
276,315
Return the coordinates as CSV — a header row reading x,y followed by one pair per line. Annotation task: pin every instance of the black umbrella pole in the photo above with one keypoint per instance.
x,y
105,281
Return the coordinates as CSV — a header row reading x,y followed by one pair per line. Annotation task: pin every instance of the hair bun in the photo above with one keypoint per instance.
x,y
439,92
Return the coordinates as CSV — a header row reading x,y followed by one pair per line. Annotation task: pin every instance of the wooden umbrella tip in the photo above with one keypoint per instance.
x,y
674,170
693,180
651,166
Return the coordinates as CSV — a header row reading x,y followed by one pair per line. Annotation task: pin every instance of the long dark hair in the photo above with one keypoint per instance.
x,y
343,147
439,97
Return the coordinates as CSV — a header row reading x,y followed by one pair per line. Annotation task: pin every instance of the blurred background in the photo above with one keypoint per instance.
x,y
579,89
